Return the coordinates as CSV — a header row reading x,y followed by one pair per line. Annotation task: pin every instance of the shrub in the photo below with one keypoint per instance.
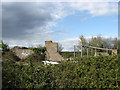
x,y
92,72
67,54
39,54
36,57
39,50
4,47
10,55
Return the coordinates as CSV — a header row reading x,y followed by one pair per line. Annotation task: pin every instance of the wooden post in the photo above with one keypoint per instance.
x,y
95,52
74,50
87,51
112,52
81,51
107,52
91,51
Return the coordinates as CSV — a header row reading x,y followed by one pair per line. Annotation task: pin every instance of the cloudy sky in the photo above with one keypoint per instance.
x,y
30,24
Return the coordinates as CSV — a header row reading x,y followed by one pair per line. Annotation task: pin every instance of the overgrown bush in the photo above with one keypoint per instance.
x,y
92,72
10,55
36,57
67,54
39,50
10,77
4,47
39,54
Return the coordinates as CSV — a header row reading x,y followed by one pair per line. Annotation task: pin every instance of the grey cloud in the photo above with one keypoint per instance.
x,y
20,20
30,20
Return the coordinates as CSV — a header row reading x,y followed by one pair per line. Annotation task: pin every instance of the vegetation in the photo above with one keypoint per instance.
x,y
98,41
92,72
38,49
70,54
10,56
36,57
19,47
60,48
67,54
4,46
39,54
119,45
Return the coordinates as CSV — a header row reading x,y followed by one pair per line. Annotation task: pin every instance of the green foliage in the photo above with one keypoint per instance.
x,y
98,41
83,40
92,72
4,46
67,54
19,47
39,50
60,48
36,57
10,76
9,55
39,54
115,43
119,45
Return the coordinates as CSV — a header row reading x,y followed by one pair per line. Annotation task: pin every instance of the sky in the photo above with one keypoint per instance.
x,y
32,23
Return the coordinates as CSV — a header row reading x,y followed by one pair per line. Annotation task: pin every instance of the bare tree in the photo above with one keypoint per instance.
x,y
83,40
96,41
60,48
115,43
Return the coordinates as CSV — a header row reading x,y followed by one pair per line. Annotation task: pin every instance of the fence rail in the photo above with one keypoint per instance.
x,y
114,51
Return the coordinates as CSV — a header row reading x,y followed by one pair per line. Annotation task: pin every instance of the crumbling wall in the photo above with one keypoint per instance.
x,y
22,53
52,51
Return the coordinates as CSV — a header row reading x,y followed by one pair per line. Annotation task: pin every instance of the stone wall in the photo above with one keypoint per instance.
x,y
50,44
52,51
22,53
